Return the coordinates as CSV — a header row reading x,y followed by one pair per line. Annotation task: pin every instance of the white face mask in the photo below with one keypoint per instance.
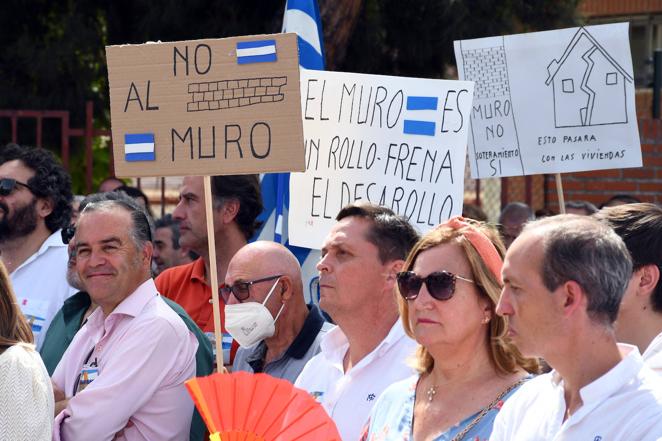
x,y
251,322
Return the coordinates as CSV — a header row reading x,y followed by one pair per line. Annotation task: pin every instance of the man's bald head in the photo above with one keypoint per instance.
x,y
263,259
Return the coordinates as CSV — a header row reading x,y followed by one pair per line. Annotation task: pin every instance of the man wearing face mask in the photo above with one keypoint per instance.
x,y
267,314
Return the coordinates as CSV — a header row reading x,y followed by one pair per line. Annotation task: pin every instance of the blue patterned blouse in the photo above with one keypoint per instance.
x,y
391,418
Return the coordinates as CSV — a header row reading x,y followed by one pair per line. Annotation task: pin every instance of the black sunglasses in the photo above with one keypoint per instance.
x,y
440,284
241,289
67,234
7,185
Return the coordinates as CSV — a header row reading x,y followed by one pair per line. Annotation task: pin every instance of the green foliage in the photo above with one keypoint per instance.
x,y
101,161
53,54
415,37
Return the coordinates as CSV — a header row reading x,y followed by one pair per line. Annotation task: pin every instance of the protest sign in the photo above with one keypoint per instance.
x,y
206,107
551,102
398,142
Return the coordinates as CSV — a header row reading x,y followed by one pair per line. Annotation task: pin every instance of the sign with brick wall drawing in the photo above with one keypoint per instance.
x,y
398,142
551,102
206,107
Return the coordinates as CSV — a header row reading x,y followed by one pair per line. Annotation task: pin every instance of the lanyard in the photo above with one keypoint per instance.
x,y
93,364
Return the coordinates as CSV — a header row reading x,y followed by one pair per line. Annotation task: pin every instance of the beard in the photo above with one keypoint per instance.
x,y
21,223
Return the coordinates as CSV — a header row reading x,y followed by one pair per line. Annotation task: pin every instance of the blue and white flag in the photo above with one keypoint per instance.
x,y
139,147
260,51
418,126
302,17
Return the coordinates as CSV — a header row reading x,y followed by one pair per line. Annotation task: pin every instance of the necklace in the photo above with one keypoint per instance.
x,y
431,392
485,410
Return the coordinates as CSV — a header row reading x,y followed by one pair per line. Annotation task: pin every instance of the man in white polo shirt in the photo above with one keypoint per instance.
x,y
369,349
35,204
564,278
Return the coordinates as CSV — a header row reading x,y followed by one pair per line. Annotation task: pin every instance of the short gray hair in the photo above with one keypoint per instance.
x,y
584,250
142,226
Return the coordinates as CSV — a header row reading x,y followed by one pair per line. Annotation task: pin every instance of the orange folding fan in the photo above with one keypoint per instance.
x,y
258,407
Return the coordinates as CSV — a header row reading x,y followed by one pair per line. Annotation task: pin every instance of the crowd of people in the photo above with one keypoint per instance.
x,y
532,328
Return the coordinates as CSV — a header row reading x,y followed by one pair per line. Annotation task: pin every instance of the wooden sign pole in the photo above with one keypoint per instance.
x,y
213,275
559,193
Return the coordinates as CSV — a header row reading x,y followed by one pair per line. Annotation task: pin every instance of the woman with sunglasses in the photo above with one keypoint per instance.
x,y
448,291
26,394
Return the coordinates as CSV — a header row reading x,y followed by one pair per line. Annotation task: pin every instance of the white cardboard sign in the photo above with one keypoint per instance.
x,y
398,142
551,102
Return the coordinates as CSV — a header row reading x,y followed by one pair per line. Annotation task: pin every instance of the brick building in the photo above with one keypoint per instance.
x,y
645,183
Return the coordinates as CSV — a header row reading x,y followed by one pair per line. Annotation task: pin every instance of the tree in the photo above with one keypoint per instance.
x,y
53,53
415,37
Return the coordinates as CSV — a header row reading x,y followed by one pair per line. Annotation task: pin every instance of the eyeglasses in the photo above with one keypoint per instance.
x,y
241,289
7,186
440,284
68,233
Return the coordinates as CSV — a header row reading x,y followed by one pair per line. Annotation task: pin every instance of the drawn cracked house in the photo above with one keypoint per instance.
x,y
589,86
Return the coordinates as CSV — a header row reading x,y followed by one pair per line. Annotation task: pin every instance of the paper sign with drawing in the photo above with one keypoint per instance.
x,y
398,142
551,102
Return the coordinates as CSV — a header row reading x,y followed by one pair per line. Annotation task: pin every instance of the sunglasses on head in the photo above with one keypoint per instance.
x,y
241,289
440,284
7,186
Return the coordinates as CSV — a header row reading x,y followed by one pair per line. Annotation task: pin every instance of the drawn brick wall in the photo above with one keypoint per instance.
x,y
487,67
216,95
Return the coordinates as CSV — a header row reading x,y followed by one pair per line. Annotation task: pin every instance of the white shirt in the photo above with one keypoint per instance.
x,y
653,355
40,284
26,395
349,397
623,404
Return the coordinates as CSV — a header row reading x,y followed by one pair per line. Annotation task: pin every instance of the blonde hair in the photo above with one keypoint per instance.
x,y
504,355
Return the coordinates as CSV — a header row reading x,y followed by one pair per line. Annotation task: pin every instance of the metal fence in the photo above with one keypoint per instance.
x,y
88,133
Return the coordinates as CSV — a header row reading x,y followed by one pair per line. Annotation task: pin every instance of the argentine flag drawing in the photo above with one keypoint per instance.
x,y
139,147
261,51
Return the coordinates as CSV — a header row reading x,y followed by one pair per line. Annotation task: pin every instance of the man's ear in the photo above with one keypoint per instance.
x,y
392,269
286,290
44,207
572,297
648,277
147,251
230,210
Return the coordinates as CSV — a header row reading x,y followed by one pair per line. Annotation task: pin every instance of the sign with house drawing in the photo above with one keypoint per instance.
x,y
206,107
398,142
551,102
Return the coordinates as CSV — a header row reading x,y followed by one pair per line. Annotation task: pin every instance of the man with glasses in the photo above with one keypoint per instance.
x,y
236,203
267,313
563,280
35,203
368,351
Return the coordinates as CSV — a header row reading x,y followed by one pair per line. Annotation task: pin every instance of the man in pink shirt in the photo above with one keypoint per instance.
x,y
123,375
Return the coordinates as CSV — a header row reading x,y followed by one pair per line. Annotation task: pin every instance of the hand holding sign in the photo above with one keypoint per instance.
x,y
207,107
